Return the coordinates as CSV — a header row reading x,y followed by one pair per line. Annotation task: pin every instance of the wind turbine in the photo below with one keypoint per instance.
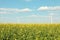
x,y
51,17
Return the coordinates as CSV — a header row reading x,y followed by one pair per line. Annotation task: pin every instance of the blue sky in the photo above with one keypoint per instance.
x,y
29,11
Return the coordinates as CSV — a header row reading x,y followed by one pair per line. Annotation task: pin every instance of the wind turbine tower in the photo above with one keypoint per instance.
x,y
51,17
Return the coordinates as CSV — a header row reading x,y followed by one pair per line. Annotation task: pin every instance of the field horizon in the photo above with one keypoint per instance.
x,y
29,23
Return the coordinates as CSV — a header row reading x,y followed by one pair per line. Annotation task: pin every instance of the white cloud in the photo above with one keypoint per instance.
x,y
28,0
52,14
25,10
55,8
29,16
3,12
38,16
56,18
34,16
13,10
43,8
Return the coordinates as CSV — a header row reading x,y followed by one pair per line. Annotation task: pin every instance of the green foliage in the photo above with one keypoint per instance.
x,y
29,31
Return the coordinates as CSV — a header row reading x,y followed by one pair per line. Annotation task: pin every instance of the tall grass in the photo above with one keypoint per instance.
x,y
29,31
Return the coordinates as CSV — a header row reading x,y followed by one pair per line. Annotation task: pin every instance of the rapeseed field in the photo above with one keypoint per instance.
x,y
29,31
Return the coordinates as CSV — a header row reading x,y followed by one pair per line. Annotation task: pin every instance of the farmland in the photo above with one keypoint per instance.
x,y
29,31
